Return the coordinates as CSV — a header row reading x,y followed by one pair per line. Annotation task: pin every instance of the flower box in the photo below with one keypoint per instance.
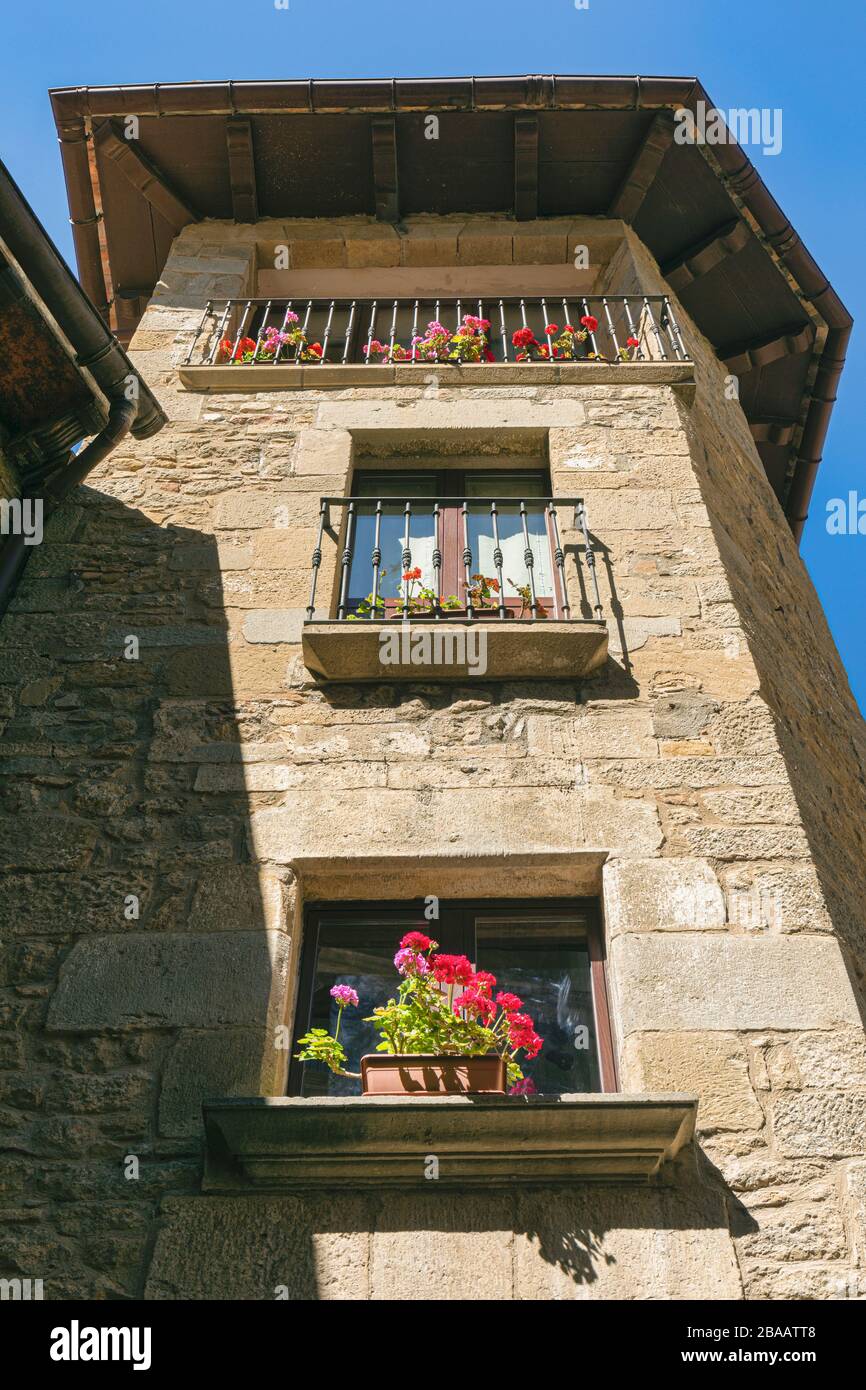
x,y
423,1074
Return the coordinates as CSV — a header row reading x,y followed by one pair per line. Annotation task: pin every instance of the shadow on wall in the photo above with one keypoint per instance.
x,y
139,971
570,1242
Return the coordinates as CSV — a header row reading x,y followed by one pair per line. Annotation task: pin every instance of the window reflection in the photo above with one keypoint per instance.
x,y
548,966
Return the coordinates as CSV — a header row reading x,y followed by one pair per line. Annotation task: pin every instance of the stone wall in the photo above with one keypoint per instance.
x,y
165,818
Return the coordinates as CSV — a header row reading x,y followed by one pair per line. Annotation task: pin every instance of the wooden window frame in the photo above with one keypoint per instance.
x,y
451,482
455,932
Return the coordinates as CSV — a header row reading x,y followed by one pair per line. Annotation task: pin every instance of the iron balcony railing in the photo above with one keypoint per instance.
x,y
418,332
436,544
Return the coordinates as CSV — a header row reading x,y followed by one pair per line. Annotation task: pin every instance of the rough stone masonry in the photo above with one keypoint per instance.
x,y
164,819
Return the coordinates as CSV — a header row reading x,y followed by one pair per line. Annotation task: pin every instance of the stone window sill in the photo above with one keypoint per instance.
x,y
254,377
518,650
275,1144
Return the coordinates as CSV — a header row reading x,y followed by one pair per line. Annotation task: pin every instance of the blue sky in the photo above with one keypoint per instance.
x,y
793,54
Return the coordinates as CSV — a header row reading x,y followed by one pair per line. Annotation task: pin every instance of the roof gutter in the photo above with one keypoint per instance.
x,y
96,349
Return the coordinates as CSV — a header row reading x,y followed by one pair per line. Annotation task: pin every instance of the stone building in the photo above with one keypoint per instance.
x,y
646,809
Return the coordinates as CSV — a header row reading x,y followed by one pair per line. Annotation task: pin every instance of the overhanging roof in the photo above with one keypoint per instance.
x,y
60,367
528,146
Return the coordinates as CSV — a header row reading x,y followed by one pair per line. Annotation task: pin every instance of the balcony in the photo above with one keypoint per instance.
x,y
253,344
442,588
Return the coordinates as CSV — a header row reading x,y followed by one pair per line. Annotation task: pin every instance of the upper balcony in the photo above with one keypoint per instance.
x,y
255,344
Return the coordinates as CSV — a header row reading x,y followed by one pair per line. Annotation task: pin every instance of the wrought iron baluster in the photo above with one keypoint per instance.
x,y
317,559
283,330
262,327
346,561
350,323
299,348
198,333
610,324
679,345
437,558
497,558
377,559
327,332
650,316
529,561
414,331
393,332
221,330
370,333
241,327
580,518
503,331
587,314
407,558
467,559
549,336
632,332
559,561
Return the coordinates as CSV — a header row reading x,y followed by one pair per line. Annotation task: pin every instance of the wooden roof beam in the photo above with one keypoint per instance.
x,y
703,256
644,167
385,174
748,357
770,431
143,175
242,169
525,168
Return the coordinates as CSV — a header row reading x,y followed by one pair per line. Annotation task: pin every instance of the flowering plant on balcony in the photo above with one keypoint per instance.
x,y
562,344
627,353
480,593
524,593
272,343
412,600
423,599
438,344
444,1007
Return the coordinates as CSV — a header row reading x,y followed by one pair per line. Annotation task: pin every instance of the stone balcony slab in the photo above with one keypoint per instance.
x,y
454,650
255,377
285,1143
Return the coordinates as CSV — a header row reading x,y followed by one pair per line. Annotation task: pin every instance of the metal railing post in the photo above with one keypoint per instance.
x,y
346,561
317,558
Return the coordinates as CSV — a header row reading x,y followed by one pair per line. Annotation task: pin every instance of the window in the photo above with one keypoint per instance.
x,y
456,529
549,953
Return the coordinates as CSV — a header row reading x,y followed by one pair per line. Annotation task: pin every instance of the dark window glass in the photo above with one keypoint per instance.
x,y
547,964
550,959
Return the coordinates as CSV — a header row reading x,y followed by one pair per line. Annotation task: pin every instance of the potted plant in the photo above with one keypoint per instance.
x,y
446,1032
525,594
270,345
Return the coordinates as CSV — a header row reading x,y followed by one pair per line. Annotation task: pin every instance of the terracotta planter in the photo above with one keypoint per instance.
x,y
428,1075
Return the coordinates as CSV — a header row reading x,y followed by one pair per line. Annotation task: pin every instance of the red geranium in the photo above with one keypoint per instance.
x,y
416,941
471,1002
632,342
590,323
484,982
509,1003
452,970
523,338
